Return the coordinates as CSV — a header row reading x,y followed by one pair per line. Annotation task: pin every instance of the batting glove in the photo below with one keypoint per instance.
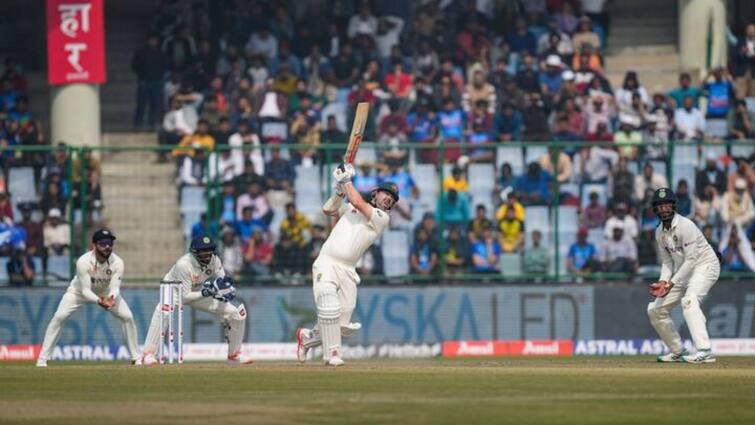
x,y
344,173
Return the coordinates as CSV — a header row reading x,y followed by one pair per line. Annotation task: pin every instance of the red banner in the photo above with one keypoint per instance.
x,y
19,352
499,348
75,41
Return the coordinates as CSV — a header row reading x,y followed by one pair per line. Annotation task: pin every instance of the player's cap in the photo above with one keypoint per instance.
x,y
664,195
102,234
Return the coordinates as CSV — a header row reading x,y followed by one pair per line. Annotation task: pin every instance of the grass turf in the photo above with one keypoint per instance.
x,y
580,390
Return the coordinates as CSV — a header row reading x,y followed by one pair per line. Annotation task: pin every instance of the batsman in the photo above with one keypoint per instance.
x,y
334,276
689,268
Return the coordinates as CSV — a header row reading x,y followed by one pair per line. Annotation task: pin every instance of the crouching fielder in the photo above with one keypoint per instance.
x,y
689,268
204,287
334,276
97,280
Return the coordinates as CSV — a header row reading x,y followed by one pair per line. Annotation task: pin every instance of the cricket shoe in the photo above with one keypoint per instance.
x,y
702,356
672,357
335,359
147,359
302,334
238,359
41,362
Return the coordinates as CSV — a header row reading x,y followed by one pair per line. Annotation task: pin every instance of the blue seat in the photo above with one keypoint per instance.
x,y
192,199
395,247
512,155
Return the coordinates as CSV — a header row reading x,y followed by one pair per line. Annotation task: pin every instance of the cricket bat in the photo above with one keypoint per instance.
x,y
357,130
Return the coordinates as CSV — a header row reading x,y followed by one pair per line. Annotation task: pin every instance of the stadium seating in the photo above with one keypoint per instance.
x,y
307,187
395,247
512,155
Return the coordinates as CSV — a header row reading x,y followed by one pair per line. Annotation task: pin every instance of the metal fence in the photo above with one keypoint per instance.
x,y
153,198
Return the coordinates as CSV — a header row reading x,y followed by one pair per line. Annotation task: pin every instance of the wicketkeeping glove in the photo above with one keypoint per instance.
x,y
661,288
209,289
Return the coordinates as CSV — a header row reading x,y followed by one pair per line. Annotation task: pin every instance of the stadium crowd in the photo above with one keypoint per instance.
x,y
39,188
240,80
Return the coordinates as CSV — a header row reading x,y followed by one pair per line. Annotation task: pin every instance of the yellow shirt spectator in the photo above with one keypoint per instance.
x,y
518,211
295,228
456,181
195,141
512,234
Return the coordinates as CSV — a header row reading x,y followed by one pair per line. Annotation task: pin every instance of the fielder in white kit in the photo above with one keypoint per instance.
x,y
205,287
97,280
334,278
689,268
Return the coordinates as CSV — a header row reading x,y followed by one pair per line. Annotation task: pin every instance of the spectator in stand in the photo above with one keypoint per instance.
x,y
201,139
564,171
656,136
244,142
743,171
365,180
628,138
511,93
709,236
456,181
148,63
316,241
388,143
594,214
631,87
551,79
57,233
258,255
32,229
520,41
567,20
528,75
296,226
719,91
205,227
486,253
690,122
737,208
623,182
685,89
707,207
581,260
744,63
453,208
6,208
52,197
423,255
451,128
508,123
428,224
536,261
710,175
535,119
596,113
512,203
511,232
480,221
732,257
575,117
555,41
279,176
193,168
505,182
20,269
247,224
683,199
585,35
229,251
255,197
622,219
739,121
332,135
227,167
618,254
398,82
648,182
479,136
178,123
457,252
286,258
479,90
534,186
262,43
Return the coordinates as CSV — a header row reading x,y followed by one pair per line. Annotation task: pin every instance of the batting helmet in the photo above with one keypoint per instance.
x,y
662,196
389,187
202,247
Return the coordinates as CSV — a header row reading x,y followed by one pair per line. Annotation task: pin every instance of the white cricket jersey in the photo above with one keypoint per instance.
x,y
682,249
353,234
191,274
94,279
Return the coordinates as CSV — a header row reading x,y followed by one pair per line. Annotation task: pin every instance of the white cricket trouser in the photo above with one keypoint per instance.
x,y
233,317
72,302
690,295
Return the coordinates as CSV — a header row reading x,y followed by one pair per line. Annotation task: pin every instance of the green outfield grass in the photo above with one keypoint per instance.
x,y
582,390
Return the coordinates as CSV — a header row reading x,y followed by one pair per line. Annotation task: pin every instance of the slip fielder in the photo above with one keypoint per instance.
x,y
97,280
204,287
689,268
334,278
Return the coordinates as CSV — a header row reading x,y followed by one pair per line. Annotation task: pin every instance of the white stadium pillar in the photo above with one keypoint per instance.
x,y
75,114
